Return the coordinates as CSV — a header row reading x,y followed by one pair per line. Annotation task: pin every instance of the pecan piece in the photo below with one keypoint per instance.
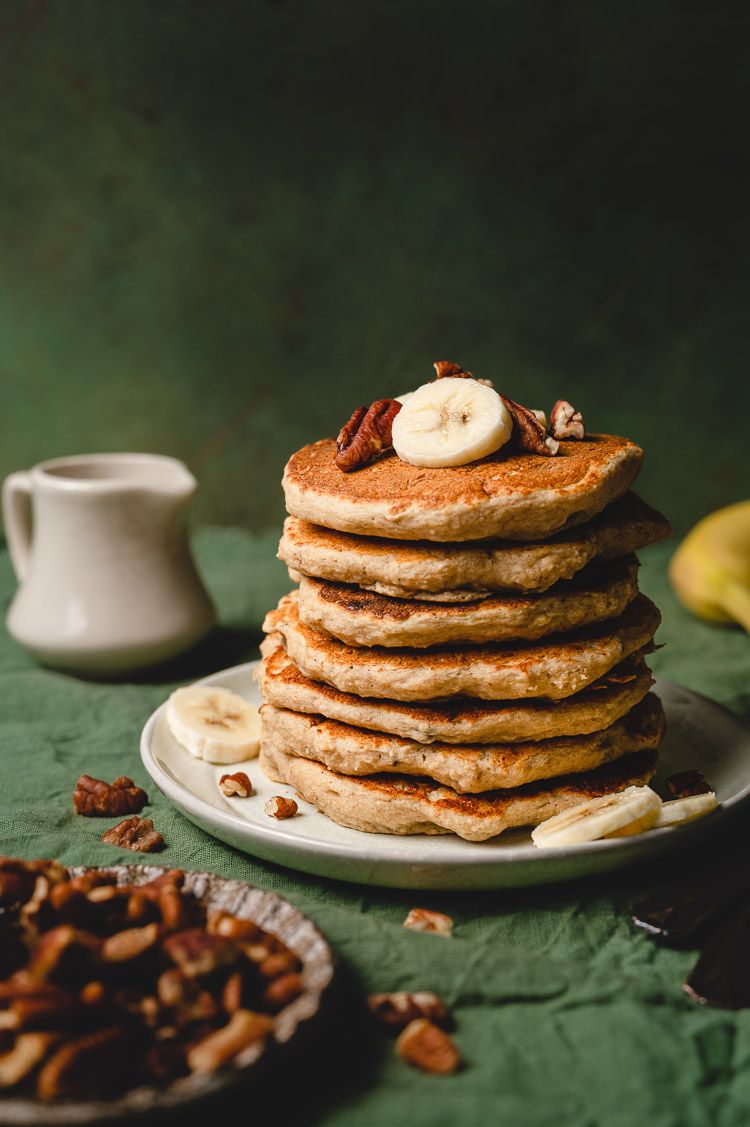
x,y
528,432
565,421
366,435
29,1049
196,952
421,919
395,1011
282,990
428,1047
232,927
96,799
130,943
135,833
243,1029
238,784
447,370
687,783
279,807
97,1058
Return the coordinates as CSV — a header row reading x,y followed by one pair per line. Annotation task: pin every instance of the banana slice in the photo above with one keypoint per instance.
x,y
214,724
605,816
450,422
685,809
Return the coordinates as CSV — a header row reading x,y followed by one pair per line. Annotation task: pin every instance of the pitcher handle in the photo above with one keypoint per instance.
x,y
17,521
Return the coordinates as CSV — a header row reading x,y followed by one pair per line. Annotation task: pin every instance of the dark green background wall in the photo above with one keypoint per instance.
x,y
225,224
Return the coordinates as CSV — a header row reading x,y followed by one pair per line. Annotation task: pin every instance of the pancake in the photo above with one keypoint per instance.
x,y
363,618
560,666
510,494
465,572
459,720
397,804
467,768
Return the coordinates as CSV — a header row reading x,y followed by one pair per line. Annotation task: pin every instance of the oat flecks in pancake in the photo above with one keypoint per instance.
x,y
514,495
555,668
397,804
363,618
459,720
465,572
468,768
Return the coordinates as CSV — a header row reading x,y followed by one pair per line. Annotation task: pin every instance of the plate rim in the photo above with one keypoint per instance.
x,y
418,859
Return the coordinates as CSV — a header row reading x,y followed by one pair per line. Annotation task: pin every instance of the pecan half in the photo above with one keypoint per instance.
x,y
427,1047
197,952
243,1029
96,799
282,990
135,833
528,432
28,1051
87,1061
18,878
279,807
395,1011
447,370
421,919
687,783
238,784
130,943
565,421
366,435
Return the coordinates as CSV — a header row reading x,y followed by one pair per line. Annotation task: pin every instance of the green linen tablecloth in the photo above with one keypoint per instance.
x,y
565,1013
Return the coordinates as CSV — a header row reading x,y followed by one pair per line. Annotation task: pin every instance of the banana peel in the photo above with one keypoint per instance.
x,y
710,571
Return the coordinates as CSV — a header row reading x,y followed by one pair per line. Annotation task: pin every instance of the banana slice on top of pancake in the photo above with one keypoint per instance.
x,y
451,422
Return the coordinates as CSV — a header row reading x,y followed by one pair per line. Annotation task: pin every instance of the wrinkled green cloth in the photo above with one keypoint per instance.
x,y
565,1013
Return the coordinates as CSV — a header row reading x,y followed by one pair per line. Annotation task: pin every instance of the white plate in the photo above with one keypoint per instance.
x,y
702,735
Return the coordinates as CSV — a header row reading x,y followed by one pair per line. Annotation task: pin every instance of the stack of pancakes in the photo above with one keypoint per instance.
x,y
465,652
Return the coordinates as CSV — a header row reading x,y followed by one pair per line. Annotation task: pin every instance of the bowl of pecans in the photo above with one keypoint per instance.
x,y
136,988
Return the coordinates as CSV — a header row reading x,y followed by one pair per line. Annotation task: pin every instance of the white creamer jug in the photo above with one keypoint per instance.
x,y
107,583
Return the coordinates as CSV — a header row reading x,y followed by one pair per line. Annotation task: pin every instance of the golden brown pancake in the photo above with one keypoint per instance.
x,y
465,572
557,667
468,768
397,804
363,618
510,494
459,720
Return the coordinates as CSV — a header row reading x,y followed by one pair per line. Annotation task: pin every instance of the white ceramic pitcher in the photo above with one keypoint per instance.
x,y
107,583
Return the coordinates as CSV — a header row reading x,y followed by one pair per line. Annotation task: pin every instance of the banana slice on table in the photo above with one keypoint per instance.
x,y
685,809
450,422
610,815
214,724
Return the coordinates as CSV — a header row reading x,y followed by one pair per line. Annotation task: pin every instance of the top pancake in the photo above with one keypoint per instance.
x,y
510,494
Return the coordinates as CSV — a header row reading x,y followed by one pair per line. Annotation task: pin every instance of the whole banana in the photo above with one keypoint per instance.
x,y
710,571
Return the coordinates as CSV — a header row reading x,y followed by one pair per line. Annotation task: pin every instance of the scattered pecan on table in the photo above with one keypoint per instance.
x,y
96,799
112,986
426,1046
394,1011
135,833
366,435
422,919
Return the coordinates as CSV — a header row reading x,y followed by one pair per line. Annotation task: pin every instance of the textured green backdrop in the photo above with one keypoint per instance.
x,y
225,223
